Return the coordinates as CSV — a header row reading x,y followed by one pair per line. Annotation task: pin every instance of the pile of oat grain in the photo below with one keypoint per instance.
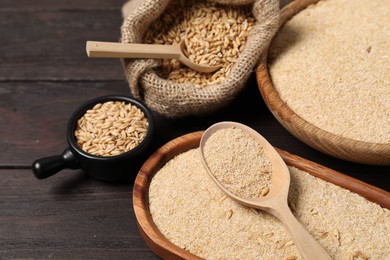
x,y
193,213
330,63
111,128
213,34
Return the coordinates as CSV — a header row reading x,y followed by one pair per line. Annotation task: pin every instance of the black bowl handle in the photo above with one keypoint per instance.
x,y
49,166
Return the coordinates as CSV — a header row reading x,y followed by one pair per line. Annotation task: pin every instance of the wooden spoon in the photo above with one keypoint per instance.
x,y
275,202
152,51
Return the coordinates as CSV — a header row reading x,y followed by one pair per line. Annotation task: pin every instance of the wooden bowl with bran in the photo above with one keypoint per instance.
x,y
168,156
367,148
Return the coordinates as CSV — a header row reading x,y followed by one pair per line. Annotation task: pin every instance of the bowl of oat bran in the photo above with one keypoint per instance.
x,y
325,77
108,138
182,214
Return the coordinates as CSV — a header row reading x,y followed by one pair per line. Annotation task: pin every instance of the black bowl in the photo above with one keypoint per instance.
x,y
106,168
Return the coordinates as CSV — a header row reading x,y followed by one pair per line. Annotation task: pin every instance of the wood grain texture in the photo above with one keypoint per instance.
x,y
34,116
164,248
69,216
46,40
70,5
324,141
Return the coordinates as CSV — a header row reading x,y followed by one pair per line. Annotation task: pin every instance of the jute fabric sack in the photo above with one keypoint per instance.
x,y
182,99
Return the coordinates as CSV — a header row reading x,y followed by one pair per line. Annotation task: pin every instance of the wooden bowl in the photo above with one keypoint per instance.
x,y
324,141
164,248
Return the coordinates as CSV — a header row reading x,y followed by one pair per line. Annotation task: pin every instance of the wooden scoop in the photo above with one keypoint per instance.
x,y
152,51
275,202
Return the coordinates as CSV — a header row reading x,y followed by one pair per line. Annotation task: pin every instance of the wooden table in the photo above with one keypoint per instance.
x,y
44,76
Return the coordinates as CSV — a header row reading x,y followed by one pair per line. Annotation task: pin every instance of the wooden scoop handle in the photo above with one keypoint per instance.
x,y
306,244
132,50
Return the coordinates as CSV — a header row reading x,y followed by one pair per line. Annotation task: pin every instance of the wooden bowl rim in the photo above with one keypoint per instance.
x,y
162,247
361,149
148,230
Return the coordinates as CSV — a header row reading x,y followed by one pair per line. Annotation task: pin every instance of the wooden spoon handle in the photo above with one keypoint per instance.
x,y
132,50
306,244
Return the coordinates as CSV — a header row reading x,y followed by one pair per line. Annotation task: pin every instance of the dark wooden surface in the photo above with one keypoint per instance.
x,y
44,76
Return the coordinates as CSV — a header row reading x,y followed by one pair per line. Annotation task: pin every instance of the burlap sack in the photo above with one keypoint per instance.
x,y
177,100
